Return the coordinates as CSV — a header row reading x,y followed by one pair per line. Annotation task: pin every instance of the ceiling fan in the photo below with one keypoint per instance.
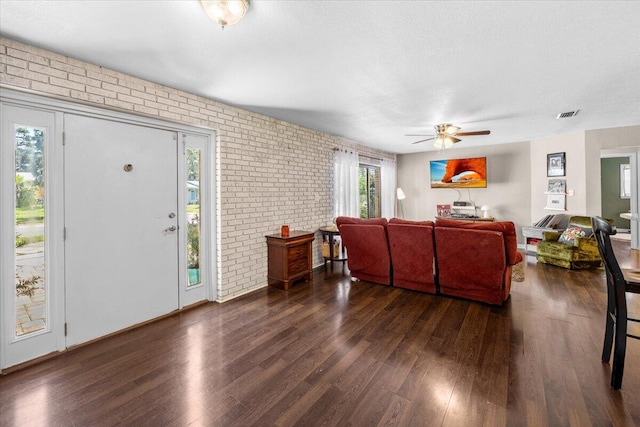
x,y
446,135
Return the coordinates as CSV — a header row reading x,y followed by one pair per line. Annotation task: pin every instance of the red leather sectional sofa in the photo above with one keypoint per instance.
x,y
470,260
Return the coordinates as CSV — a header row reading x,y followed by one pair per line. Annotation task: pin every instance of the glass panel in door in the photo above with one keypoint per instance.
x,y
31,293
193,157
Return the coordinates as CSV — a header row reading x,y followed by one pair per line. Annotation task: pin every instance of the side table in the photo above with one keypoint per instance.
x,y
290,258
328,235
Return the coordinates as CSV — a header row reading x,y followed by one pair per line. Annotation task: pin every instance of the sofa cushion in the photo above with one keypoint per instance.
x,y
472,263
507,228
412,255
367,250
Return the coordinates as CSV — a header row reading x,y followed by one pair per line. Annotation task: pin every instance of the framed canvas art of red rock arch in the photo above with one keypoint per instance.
x,y
459,173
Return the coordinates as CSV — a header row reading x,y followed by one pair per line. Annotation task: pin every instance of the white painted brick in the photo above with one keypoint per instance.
x,y
156,105
30,75
115,88
143,95
66,83
176,97
68,68
43,69
146,110
84,96
269,171
131,99
99,75
118,104
133,84
57,90
14,80
84,65
85,80
156,92
16,62
167,101
168,115
101,92
31,58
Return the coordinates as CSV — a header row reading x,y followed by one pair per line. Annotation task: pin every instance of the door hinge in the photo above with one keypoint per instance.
x,y
64,233
64,138
65,329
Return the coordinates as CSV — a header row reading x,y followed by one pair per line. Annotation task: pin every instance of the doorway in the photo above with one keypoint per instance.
x,y
127,219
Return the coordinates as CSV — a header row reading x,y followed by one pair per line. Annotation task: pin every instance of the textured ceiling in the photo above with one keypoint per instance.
x,y
370,71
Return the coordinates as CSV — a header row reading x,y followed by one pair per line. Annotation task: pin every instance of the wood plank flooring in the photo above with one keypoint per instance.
x,y
345,353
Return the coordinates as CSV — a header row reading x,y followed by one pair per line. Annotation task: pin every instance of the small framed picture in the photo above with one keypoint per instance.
x,y
555,164
556,202
557,186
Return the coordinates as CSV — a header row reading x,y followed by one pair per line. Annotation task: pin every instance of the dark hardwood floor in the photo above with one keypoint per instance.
x,y
338,352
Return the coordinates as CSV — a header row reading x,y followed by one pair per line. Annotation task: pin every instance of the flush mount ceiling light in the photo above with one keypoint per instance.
x,y
225,12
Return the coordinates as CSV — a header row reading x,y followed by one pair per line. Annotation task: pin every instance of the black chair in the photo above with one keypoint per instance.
x,y
617,287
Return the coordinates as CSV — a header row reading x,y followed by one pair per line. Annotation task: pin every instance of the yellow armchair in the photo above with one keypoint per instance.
x,y
575,248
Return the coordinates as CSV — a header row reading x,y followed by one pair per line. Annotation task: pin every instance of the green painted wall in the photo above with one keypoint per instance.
x,y
612,204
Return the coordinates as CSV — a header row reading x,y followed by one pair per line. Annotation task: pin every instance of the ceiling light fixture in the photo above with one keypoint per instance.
x,y
443,141
225,12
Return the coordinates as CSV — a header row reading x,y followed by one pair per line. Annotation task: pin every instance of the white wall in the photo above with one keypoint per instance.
x,y
508,191
573,146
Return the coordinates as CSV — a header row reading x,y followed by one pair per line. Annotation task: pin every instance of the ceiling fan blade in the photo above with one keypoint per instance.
x,y
480,132
454,139
423,140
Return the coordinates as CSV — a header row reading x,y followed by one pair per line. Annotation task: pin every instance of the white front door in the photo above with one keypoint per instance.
x,y
121,222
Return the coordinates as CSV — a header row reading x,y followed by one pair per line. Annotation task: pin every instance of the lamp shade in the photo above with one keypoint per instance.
x,y
485,211
225,12
400,194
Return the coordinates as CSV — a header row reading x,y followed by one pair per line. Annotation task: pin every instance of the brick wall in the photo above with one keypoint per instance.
x,y
270,172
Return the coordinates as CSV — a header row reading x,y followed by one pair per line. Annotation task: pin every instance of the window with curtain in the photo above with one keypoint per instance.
x,y
369,183
345,183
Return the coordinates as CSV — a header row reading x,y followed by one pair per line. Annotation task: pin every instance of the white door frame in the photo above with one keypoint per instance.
x,y
634,161
59,107
16,350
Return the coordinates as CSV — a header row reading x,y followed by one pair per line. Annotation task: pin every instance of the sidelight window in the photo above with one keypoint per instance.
x,y
31,292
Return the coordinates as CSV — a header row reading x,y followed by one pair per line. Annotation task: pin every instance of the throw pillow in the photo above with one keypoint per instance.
x,y
570,235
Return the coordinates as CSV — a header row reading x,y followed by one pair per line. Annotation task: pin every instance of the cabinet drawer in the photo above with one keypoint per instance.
x,y
297,266
299,252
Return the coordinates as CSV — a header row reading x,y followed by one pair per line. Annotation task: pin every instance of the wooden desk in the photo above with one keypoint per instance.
x,y
290,258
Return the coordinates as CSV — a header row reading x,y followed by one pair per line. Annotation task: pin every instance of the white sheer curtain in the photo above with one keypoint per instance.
x,y
387,188
345,184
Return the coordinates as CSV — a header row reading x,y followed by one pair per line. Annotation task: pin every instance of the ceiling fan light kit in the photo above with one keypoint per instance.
x,y
225,12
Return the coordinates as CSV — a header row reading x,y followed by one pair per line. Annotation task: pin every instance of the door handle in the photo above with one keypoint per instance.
x,y
172,228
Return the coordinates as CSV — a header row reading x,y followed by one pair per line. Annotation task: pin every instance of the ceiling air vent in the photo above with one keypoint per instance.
x,y
567,114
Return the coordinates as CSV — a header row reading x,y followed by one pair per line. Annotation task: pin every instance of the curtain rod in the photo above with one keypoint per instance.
x,y
363,155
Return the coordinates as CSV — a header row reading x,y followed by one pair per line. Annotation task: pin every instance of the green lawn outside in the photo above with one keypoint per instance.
x,y
26,216
193,208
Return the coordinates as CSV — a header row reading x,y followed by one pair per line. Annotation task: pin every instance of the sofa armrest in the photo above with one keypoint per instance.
x,y
587,245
